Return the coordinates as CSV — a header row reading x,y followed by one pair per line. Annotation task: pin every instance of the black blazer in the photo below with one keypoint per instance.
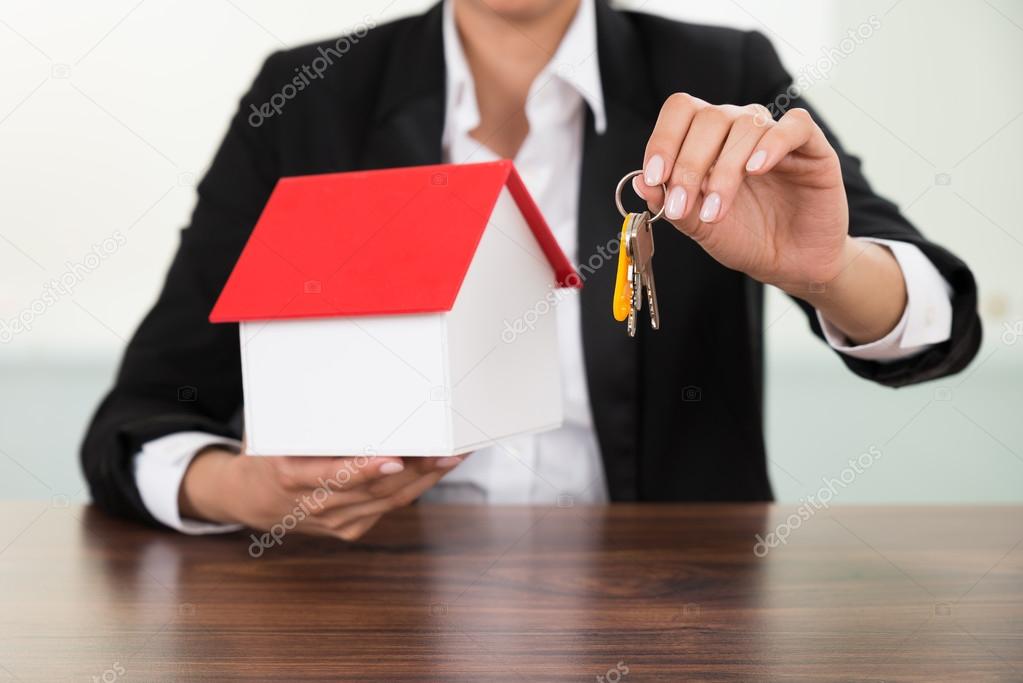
x,y
678,412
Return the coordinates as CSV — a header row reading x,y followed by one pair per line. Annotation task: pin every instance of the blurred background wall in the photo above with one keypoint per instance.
x,y
110,111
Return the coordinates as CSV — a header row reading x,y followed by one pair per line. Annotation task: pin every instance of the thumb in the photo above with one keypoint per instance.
x,y
653,196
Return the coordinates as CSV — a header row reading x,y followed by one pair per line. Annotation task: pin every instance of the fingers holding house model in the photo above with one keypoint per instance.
x,y
339,497
427,341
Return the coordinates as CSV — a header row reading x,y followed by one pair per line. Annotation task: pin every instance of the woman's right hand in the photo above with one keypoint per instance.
x,y
327,496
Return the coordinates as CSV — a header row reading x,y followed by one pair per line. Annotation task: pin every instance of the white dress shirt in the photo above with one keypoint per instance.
x,y
561,466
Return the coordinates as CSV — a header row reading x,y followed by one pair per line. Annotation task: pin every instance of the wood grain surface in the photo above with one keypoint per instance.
x,y
437,593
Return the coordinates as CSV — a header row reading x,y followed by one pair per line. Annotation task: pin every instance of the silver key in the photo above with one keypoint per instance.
x,y
651,295
642,253
637,288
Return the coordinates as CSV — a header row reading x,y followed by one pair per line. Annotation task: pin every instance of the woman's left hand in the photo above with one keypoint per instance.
x,y
761,196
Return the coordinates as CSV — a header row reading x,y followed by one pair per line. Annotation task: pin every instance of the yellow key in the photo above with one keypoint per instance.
x,y
623,285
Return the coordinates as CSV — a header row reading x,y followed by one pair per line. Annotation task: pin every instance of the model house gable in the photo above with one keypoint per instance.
x,y
386,331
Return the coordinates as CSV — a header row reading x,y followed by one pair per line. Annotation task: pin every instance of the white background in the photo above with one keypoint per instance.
x,y
110,111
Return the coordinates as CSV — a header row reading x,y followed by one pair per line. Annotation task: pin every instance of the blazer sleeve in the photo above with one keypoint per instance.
x,y
870,215
179,371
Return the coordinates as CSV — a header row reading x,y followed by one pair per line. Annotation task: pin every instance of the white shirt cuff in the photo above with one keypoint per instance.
x,y
159,468
926,321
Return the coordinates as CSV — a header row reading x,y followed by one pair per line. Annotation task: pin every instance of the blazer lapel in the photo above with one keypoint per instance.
x,y
407,127
408,117
611,357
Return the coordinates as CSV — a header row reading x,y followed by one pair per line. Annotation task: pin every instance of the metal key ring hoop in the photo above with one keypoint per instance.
x,y
621,186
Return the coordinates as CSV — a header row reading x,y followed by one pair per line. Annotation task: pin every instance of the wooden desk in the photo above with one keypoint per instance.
x,y
463,593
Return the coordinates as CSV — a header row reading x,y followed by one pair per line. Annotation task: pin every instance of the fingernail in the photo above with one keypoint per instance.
x,y
675,205
391,468
756,162
447,463
711,206
654,170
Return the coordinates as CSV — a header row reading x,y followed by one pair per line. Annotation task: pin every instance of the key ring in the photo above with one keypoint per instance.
x,y
621,186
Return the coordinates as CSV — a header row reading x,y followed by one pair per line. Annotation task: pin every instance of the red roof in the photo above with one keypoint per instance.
x,y
373,242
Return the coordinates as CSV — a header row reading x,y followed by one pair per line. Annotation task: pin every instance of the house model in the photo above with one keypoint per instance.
x,y
397,312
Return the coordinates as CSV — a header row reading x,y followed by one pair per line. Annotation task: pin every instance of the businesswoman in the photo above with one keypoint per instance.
x,y
578,94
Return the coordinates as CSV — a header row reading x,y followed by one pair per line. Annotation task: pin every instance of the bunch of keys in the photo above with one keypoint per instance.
x,y
635,264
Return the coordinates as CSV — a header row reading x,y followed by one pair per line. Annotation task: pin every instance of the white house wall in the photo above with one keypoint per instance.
x,y
502,337
346,386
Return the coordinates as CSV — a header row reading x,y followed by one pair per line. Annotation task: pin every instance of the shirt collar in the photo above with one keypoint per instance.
x,y
574,62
